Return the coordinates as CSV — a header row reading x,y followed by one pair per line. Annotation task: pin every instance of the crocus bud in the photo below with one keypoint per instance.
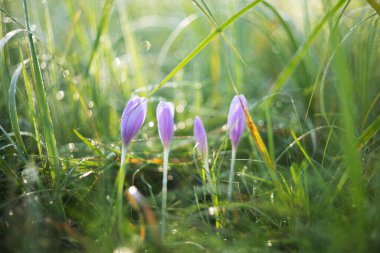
x,y
165,122
200,137
236,119
132,119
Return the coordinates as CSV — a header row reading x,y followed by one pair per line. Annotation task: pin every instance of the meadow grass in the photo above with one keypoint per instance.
x,y
307,168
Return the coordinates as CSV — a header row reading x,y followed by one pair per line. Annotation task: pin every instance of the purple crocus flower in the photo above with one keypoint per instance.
x,y
165,122
132,119
236,126
236,119
200,137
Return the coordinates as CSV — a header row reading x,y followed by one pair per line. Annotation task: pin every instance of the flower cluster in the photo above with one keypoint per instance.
x,y
134,115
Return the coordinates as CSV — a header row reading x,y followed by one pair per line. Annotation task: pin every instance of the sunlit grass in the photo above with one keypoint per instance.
x,y
306,175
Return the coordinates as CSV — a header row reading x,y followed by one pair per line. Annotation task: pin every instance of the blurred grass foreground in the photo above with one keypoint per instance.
x,y
308,68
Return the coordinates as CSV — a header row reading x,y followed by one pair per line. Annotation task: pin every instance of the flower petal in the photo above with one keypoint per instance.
x,y
236,119
132,119
165,122
200,136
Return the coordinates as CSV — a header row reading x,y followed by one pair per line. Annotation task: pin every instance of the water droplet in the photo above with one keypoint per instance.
x,y
147,45
43,1
89,113
93,142
91,104
170,178
180,108
10,213
174,231
66,73
189,122
60,95
181,125
76,96
117,62
151,124
269,243
7,20
43,65
33,28
225,127
71,147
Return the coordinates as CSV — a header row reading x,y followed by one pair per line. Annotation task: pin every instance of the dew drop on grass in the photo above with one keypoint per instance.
x,y
170,178
89,113
71,147
76,96
197,85
66,73
33,28
91,104
189,121
60,95
10,213
180,108
43,65
181,125
147,45
7,20
151,124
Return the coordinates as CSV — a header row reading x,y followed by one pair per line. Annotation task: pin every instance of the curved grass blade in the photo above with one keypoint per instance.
x,y
13,107
297,57
371,130
204,43
88,143
9,36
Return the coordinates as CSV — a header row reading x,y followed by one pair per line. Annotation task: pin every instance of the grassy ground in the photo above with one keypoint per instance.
x,y
309,70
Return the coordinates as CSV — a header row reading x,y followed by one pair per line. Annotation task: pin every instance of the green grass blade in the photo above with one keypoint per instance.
x,y
9,36
88,143
13,108
44,116
297,57
107,9
204,43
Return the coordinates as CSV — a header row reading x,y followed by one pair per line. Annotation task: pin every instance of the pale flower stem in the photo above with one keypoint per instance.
x,y
232,168
120,184
164,191
208,174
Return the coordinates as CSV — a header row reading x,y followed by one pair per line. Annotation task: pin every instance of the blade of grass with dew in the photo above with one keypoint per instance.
x,y
13,108
297,57
88,144
204,43
45,117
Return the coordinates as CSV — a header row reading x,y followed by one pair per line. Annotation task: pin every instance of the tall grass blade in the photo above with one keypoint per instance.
x,y
204,43
44,115
297,57
13,107
9,36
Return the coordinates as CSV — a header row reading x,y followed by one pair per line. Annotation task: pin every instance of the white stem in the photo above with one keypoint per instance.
x,y
232,168
164,190
120,183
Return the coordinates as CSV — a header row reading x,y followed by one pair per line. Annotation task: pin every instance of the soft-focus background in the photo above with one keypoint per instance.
x,y
309,70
